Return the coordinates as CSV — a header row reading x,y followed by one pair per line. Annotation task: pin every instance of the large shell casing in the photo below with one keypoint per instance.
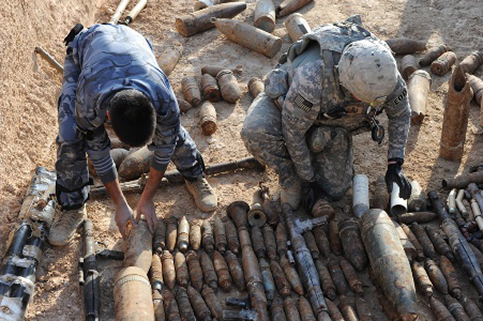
x,y
232,236
169,271
208,119
220,235
194,266
138,248
472,62
210,88
311,244
221,268
418,89
212,302
183,234
439,243
291,309
181,269
191,91
199,21
185,308
424,240
257,241
208,240
409,248
213,70
413,239
338,277
171,235
440,311
351,276
417,200
249,37
236,270
321,241
156,273
265,15
422,279
398,204
281,282
136,164
292,276
450,275
409,65
436,276
270,242
170,56
159,240
442,65
296,26
289,6
433,54
381,196
268,282
208,268
255,86
360,198
199,305
281,238
334,240
132,295
404,46
237,211
354,251
229,88
195,236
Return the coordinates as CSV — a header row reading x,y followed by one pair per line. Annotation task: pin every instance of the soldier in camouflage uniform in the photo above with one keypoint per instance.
x,y
109,65
333,84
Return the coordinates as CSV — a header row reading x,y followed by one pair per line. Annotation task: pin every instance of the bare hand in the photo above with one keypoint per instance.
x,y
124,215
146,208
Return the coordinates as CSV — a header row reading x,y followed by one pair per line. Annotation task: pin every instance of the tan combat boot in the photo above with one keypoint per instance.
x,y
292,195
203,194
63,230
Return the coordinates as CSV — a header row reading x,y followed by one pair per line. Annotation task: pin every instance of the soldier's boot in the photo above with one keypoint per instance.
x,y
203,194
292,195
63,230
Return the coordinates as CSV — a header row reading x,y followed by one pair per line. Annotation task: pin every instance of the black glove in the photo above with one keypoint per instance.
x,y
309,195
394,174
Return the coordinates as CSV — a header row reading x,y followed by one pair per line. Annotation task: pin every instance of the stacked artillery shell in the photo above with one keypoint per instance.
x,y
267,278
221,268
158,306
436,276
207,237
196,274
442,65
183,234
170,56
354,251
409,248
433,54
477,85
256,216
169,271
138,248
265,15
351,276
185,308
363,309
321,240
257,241
291,310
171,235
312,244
414,241
210,88
381,196
455,119
159,240
334,240
214,70
281,282
255,86
305,310
472,309
403,46
209,273
424,240
181,269
276,310
195,237
292,276
229,88
418,89
347,308
450,275
416,217
270,242
212,302
334,311
472,62
199,305
338,277
236,270
249,37
387,306
417,199
296,26
220,235
208,118
281,238
440,244
156,274
289,6
232,236
171,307
422,279
409,65
136,164
440,311
199,21
191,92
456,308
183,105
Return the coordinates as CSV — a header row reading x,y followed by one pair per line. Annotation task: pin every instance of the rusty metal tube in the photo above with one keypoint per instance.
x,y
409,65
265,15
404,46
442,65
138,248
433,54
418,89
463,180
472,62
296,26
170,56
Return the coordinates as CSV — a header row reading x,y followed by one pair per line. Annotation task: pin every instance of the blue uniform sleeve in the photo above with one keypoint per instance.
x,y
98,149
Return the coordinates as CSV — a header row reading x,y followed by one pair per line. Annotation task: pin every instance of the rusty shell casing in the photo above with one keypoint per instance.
x,y
477,253
249,37
232,236
409,65
387,306
306,312
265,15
424,240
270,242
184,106
183,235
281,282
323,207
289,6
296,26
281,237
159,239
270,206
334,240
185,308
237,211
450,275
195,237
171,235
199,305
213,70
292,275
132,295
291,310
442,65
255,86
268,282
212,302
433,54
181,269
409,248
195,271
210,88
321,241
472,309
440,311
138,248
388,255
199,21
208,118
439,243
349,233
221,268
472,62
419,85
381,196
170,56
477,85
455,118
413,239
257,241
236,270
171,307
169,271
404,46
326,282
276,310
311,244
136,164
191,91
156,273
351,276
229,88
456,308
334,311
338,277
158,306
208,268
422,279
208,240
363,310
347,308
436,276
417,199
220,235
416,217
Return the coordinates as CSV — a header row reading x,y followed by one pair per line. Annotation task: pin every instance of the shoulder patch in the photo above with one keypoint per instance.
x,y
400,97
302,103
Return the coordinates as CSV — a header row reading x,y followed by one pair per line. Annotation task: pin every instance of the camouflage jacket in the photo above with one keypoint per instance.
x,y
105,59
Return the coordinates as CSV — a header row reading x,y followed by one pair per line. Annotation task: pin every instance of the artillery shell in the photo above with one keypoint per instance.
x,y
232,236
156,273
311,244
409,65
432,54
267,278
289,6
199,21
281,238
422,279
183,234
171,235
477,85
472,62
305,310
171,307
270,242
196,274
424,240
265,15
237,211
199,305
387,306
159,240
257,241
209,273
323,207
170,56
472,309
321,241
191,92
277,310
195,237
222,271
169,272
270,206
416,217
181,269
456,308
347,309
363,309
118,155
478,254
185,308
210,88
351,276
158,306
229,88
255,86
326,280
381,196
212,302
296,26
292,276
350,235
407,245
334,311
413,239
236,270
441,66
338,277
183,105
281,282
440,311
439,243
450,275
334,240
291,309
138,248
208,118
418,89
417,200
208,241
136,164
220,235
436,276
404,46
214,70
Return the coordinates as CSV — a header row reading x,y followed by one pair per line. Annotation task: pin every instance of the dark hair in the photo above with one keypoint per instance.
x,y
133,117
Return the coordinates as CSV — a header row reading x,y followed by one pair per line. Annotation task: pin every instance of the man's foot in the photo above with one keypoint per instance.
x,y
292,195
203,194
63,230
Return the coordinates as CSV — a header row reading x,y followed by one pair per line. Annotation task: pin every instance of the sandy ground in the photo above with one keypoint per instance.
x,y
28,115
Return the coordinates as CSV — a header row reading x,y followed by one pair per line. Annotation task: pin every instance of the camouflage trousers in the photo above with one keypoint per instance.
x,y
331,149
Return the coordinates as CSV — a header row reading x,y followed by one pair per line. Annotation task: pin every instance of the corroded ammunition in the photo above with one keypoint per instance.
x,y
212,302
191,92
291,309
267,278
222,271
456,308
270,206
416,217
440,311
422,279
195,237
169,272
381,196
281,238
208,118
196,274
472,62
209,273
256,216
289,6
407,245
351,276
214,70
441,66
404,46
334,311
220,235
417,200
363,309
338,277
387,306
433,54
436,276
413,239
138,248
236,270
199,305
409,65
450,275
292,276
347,308
321,241
255,86
326,280
305,310
199,21
237,211
311,244
156,273
136,164
354,251
183,105
472,309
159,240
439,243
257,241
424,240
171,307
270,242
229,88
334,240
158,306
265,15
171,235
477,253
249,37
181,269
277,310
185,308
210,88
419,85
323,207
170,56
232,236
183,234
281,282
477,85
296,26
207,240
